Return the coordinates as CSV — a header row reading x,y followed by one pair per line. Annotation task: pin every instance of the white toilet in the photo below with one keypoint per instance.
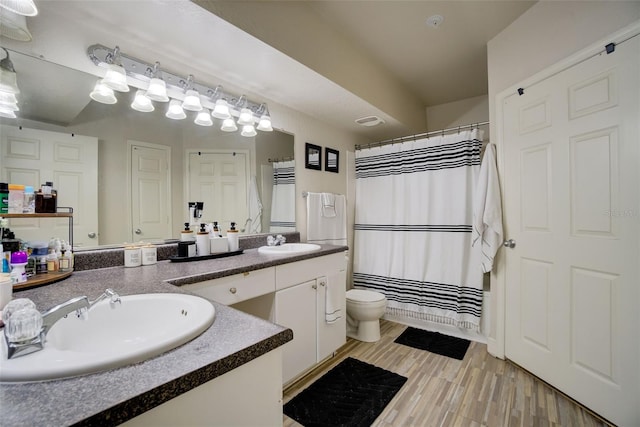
x,y
364,310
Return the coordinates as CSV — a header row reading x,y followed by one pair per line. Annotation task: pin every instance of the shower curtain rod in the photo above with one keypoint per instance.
x,y
420,135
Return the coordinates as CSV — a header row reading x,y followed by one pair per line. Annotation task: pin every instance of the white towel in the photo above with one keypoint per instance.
x,y
283,202
328,205
332,303
326,230
254,223
487,209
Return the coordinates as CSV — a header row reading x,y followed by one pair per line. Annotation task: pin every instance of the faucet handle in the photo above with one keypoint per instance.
x,y
23,325
115,298
82,313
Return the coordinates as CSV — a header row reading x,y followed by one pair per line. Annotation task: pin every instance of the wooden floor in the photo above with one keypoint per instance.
x,y
477,391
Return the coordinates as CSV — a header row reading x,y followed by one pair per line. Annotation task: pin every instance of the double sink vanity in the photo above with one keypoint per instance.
x,y
268,329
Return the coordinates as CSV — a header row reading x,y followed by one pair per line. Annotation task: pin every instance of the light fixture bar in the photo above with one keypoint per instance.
x,y
140,71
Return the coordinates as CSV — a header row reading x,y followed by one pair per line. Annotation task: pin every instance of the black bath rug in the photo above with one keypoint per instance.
x,y
434,342
353,393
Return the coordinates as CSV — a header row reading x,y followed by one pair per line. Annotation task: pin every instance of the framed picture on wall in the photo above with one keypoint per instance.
x,y
312,156
331,160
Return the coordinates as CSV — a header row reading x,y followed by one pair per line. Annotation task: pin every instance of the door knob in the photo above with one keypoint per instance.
x,y
509,243
92,235
138,231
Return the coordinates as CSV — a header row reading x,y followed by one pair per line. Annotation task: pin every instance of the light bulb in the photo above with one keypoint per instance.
x,y
192,101
265,123
204,118
228,125
221,110
248,130
116,78
103,94
157,90
142,103
246,117
175,110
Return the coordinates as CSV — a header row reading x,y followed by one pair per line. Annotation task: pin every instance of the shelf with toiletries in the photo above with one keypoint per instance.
x,y
47,277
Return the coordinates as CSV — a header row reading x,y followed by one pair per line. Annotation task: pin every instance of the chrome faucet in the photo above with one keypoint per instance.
x,y
79,305
276,241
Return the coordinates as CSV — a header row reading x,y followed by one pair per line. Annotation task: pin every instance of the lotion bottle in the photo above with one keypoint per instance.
x,y
202,241
232,236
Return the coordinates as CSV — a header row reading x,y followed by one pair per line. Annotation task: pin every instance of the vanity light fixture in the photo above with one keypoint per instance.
x,y
142,103
184,93
157,90
246,115
103,93
204,118
191,100
264,124
248,130
175,111
229,125
21,7
116,77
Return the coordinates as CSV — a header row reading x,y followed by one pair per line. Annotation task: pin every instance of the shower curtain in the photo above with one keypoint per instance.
x,y
413,240
283,215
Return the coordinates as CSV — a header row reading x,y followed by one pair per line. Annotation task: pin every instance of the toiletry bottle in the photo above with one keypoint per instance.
x,y
232,236
4,197
16,198
187,234
46,199
202,241
18,263
29,203
52,261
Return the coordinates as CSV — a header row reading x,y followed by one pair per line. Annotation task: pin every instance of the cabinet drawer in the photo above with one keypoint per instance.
x,y
239,287
297,272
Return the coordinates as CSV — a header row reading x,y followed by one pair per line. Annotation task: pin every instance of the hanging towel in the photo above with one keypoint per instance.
x,y
283,215
487,209
333,310
328,205
322,229
254,223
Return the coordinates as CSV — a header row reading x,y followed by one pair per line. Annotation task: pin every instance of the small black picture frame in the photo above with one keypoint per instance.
x,y
331,160
312,156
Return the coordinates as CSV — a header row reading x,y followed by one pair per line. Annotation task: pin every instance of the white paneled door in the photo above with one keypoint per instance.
x,y
31,157
150,192
219,179
571,155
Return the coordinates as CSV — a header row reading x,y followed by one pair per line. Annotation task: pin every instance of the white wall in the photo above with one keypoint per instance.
x,y
463,112
543,35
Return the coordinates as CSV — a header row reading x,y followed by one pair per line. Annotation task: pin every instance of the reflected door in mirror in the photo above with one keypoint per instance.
x,y
219,179
150,193
31,157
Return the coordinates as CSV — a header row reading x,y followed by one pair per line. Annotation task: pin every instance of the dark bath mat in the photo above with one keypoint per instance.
x,y
434,342
353,393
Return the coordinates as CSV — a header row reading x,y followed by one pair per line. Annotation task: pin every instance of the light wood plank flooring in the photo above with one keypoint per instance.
x,y
477,391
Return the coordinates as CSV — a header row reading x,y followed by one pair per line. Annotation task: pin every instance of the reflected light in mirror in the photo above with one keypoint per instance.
x,y
175,110
228,125
204,118
248,130
103,94
142,103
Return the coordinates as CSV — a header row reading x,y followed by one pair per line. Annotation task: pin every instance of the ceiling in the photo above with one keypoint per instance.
x,y
333,60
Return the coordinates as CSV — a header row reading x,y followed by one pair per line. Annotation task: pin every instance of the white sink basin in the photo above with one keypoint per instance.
x,y
289,249
140,327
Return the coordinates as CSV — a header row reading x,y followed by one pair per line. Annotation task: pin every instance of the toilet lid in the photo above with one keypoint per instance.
x,y
364,295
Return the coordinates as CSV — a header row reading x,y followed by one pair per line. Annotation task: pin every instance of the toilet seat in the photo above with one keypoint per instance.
x,y
364,296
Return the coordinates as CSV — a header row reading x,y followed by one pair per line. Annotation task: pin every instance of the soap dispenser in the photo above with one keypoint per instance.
x,y
187,234
202,241
232,236
218,244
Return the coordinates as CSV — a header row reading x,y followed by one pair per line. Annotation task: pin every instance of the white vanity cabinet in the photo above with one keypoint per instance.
x,y
236,288
300,302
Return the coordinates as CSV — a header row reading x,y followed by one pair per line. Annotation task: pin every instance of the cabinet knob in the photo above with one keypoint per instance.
x,y
323,283
233,290
138,231
91,235
314,286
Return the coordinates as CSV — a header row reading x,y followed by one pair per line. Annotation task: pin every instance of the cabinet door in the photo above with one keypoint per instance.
x,y
331,335
296,309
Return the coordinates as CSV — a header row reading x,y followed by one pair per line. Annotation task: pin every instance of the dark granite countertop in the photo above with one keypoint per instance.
x,y
112,397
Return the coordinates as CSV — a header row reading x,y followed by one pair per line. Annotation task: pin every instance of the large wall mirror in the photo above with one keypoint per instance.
x,y
147,167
